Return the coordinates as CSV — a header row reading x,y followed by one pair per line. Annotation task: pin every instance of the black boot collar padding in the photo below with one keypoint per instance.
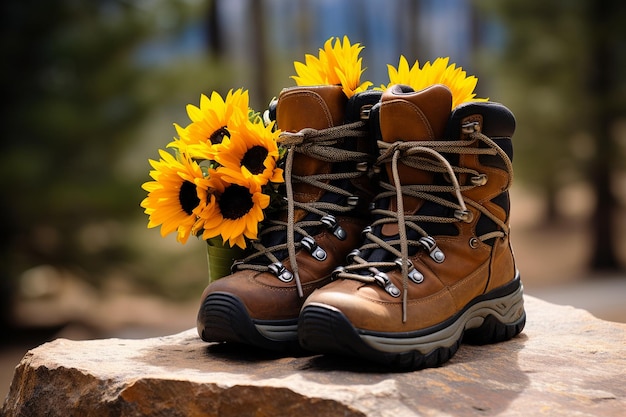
x,y
358,101
498,121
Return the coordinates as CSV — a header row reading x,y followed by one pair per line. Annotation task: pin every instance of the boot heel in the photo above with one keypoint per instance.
x,y
493,331
505,321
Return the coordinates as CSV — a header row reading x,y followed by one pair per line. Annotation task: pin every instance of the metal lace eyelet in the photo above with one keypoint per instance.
x,y
331,224
362,166
280,271
383,280
479,180
474,242
336,272
465,216
416,276
399,262
470,127
353,201
368,229
350,257
437,255
313,248
392,290
364,114
235,266
413,274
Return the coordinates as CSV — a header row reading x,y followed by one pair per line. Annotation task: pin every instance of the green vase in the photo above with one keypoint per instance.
x,y
220,259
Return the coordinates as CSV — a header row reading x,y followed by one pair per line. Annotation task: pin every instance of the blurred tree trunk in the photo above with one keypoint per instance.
x,y
602,80
413,12
213,30
305,30
552,214
565,61
259,53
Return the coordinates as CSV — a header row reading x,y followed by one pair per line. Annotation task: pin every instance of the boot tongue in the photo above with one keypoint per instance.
x,y
318,107
407,115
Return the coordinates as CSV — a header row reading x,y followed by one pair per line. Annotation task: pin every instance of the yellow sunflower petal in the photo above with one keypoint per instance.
x,y
251,152
338,63
210,122
235,207
172,196
437,72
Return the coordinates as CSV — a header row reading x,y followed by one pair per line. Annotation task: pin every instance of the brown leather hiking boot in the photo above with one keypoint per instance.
x,y
436,266
326,197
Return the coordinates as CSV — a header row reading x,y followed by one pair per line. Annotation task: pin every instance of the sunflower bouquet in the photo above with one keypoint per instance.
x,y
224,172
219,180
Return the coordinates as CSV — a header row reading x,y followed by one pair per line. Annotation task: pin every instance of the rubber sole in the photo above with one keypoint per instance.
x,y
491,318
223,318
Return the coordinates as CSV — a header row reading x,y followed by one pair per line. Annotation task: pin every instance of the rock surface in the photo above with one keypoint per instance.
x,y
566,362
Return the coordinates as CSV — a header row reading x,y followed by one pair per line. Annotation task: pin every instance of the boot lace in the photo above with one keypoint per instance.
x,y
324,145
427,156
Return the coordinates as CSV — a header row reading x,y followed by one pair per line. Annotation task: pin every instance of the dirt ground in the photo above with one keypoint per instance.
x,y
552,261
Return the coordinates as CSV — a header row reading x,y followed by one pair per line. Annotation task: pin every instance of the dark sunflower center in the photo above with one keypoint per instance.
x,y
254,158
188,197
218,136
235,202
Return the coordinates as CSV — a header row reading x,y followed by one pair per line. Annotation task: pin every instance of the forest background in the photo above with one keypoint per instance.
x,y
91,90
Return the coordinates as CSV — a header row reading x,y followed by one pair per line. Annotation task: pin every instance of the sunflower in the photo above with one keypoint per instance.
x,y
173,196
439,72
234,210
337,64
210,123
251,151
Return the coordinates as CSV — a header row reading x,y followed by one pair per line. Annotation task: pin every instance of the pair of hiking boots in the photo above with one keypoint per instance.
x,y
392,243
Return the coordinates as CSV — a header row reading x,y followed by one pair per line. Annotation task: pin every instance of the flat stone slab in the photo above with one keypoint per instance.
x,y
565,363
